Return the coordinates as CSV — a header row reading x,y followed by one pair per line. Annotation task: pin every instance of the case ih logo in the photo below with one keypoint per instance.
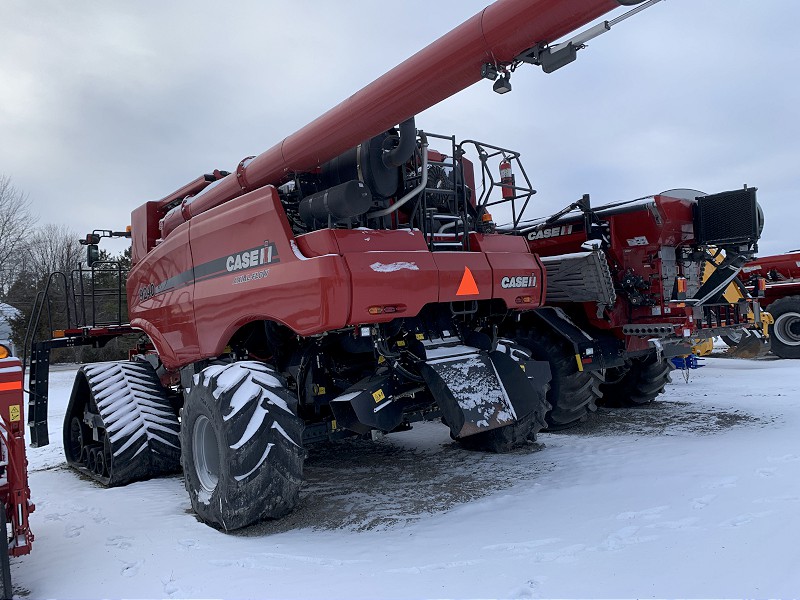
x,y
248,259
550,232
518,282
218,267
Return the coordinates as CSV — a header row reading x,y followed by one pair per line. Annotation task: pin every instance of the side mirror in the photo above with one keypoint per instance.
x,y
92,254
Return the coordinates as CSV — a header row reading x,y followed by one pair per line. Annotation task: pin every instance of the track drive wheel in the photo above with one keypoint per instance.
x,y
242,445
784,333
637,384
504,439
573,394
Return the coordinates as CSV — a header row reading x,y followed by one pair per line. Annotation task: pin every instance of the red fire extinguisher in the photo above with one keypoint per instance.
x,y
507,179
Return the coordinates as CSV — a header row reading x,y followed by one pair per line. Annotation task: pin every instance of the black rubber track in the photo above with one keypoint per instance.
x,y
258,444
139,434
784,334
504,439
573,393
643,381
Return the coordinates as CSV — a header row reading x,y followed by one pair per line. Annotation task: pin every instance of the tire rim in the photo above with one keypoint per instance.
x,y
75,439
787,329
206,453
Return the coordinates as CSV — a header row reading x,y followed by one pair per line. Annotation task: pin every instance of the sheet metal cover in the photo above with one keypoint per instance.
x,y
469,392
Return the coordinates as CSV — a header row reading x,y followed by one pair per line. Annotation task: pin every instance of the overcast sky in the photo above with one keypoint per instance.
x,y
105,105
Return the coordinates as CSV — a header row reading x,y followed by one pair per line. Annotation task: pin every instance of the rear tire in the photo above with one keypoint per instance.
x,y
784,333
504,439
242,445
573,394
640,384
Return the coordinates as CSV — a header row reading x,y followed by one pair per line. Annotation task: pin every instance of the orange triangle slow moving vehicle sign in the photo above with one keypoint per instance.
x,y
468,287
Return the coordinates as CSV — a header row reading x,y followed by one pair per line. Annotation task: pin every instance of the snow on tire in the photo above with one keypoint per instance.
x,y
137,436
242,445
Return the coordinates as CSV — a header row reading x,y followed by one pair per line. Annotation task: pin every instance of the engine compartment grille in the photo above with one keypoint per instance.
x,y
728,218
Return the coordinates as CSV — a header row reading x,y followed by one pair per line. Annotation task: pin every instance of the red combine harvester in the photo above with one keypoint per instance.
x,y
347,281
15,495
777,279
630,277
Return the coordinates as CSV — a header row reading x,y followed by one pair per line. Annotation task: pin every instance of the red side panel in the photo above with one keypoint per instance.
x,y
404,280
144,230
498,243
777,267
780,289
463,276
317,243
247,269
161,299
519,279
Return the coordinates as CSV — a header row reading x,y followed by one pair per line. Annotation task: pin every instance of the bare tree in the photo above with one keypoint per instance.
x,y
47,249
52,248
16,222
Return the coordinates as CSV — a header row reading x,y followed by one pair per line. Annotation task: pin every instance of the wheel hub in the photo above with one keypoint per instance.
x,y
206,453
787,328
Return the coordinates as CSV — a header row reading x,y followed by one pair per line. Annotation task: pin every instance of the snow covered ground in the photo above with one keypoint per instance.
x,y
697,495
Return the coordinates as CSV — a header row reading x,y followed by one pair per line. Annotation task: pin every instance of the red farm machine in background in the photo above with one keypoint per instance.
x,y
630,285
348,281
636,277
776,279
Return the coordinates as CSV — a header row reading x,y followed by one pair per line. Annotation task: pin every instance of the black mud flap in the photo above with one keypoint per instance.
x,y
479,391
368,405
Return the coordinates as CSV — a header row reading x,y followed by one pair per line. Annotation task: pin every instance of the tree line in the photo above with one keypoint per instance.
x,y
76,295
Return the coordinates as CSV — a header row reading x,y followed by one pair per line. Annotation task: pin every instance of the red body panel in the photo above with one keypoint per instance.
x,y
161,298
240,263
775,268
638,234
782,272
406,280
781,289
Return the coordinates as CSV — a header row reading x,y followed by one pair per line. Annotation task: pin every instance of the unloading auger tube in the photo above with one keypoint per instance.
x,y
491,44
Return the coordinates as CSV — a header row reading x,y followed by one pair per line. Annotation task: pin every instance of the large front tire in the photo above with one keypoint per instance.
x,y
242,445
573,393
784,333
638,384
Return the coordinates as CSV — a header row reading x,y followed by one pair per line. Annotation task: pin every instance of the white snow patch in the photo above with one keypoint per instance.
x,y
379,267
715,499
